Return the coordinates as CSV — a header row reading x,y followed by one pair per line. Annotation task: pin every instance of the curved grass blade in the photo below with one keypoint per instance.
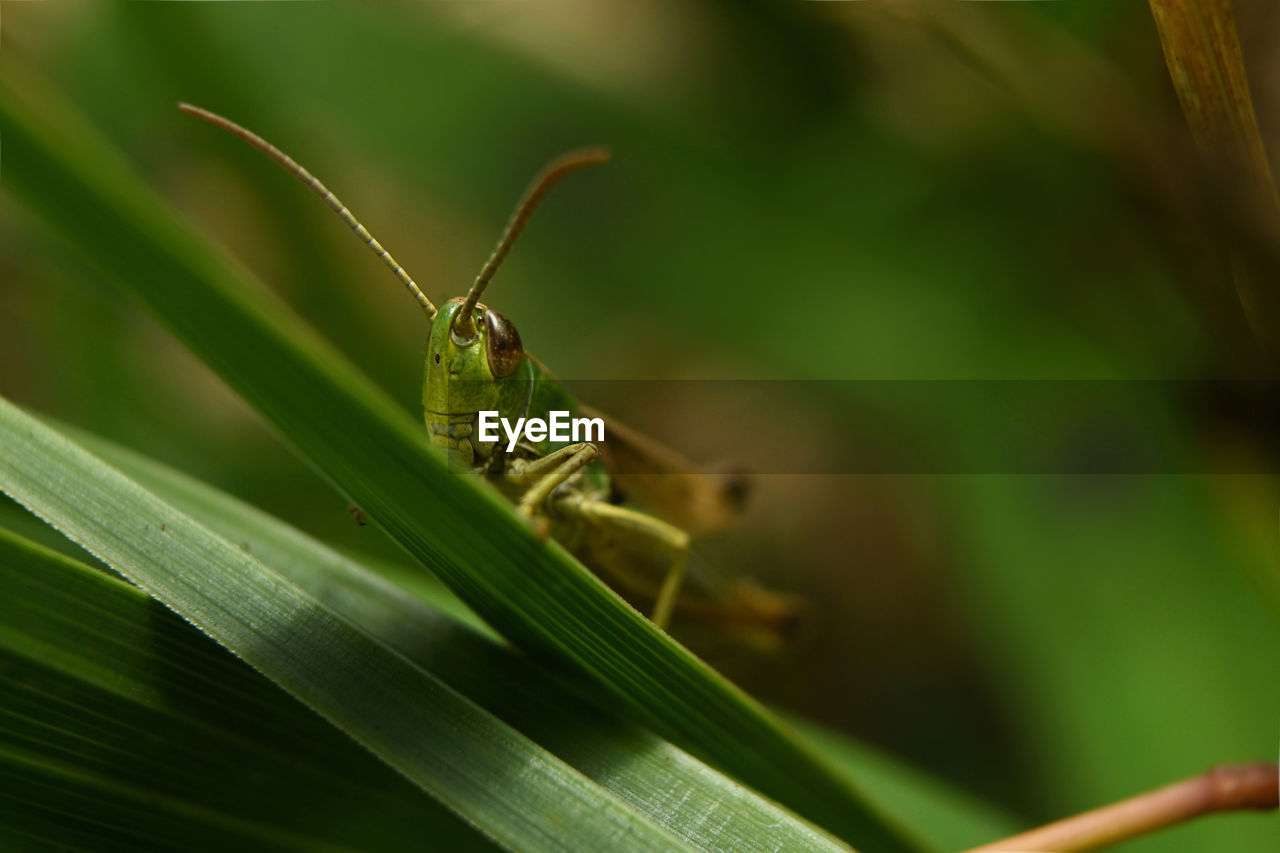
x,y
123,728
369,598
649,773
945,817
534,593
508,787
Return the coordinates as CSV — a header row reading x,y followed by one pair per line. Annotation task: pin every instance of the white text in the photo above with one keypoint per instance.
x,y
560,427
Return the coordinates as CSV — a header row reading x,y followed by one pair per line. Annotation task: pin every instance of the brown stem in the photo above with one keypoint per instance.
x,y
1222,789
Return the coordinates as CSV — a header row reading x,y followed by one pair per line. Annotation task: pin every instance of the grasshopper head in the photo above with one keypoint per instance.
x,y
474,354
465,372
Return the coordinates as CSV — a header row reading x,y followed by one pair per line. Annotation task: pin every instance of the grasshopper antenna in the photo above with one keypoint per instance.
x,y
541,185
291,166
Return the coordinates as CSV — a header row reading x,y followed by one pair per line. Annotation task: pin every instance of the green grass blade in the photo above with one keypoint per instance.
x,y
532,592
647,772
364,596
511,789
123,728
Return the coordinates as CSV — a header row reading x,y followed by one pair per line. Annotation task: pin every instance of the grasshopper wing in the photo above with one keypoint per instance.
x,y
669,485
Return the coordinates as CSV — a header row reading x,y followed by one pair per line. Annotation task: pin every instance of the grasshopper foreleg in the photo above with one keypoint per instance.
x,y
660,534
547,473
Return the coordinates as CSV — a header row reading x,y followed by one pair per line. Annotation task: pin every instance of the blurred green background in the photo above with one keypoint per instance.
x,y
800,191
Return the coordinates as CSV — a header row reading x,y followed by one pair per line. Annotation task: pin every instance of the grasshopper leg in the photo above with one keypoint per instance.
x,y
547,473
662,534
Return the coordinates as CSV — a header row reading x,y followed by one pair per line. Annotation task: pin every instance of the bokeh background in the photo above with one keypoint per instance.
x,y
801,191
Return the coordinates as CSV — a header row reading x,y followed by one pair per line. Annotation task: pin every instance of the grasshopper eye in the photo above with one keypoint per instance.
x,y
505,350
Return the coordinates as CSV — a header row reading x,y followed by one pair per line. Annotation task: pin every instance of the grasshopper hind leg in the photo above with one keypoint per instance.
x,y
670,590
658,538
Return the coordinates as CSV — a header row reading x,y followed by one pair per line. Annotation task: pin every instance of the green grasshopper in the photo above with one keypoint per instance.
x,y
584,495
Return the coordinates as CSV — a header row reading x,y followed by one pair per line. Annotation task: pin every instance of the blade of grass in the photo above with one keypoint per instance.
x,y
1202,52
343,583
534,593
549,708
507,786
122,727
539,703
92,665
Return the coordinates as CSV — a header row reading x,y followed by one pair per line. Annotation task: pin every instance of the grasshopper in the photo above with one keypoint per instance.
x,y
632,529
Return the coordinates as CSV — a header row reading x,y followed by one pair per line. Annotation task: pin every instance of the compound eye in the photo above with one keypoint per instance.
x,y
505,350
